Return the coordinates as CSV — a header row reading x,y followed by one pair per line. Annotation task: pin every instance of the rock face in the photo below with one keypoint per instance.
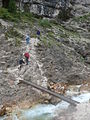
x,y
4,3
81,7
2,110
0,3
52,8
67,59
48,8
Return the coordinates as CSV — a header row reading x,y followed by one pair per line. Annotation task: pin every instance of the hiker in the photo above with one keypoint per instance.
x,y
21,62
27,57
38,34
27,39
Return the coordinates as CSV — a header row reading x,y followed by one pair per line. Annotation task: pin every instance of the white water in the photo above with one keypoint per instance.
x,y
38,112
82,98
46,111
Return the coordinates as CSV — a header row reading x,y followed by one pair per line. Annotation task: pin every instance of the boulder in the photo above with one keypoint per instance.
x,y
2,110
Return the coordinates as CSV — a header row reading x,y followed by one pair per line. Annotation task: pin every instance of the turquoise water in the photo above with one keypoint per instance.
x,y
39,112
45,111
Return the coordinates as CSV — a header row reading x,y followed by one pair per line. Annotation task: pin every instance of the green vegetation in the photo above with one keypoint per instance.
x,y
28,18
64,14
44,23
50,42
44,40
82,59
4,14
16,17
26,8
50,34
12,6
83,18
67,33
17,42
13,33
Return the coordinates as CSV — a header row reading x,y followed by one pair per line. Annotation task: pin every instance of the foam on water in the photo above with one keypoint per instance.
x,y
82,98
37,112
49,110
46,112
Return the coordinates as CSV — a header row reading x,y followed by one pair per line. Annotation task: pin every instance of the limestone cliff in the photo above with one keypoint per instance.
x,y
52,8
49,8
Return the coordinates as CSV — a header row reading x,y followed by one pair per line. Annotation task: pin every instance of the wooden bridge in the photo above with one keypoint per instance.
x,y
73,102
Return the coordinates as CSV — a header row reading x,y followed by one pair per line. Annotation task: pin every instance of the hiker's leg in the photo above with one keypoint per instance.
x,y
20,67
26,61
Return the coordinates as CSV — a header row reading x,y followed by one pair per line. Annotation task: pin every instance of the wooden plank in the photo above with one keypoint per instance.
x,y
73,102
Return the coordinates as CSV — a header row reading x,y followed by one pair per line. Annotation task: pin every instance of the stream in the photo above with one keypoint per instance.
x,y
46,111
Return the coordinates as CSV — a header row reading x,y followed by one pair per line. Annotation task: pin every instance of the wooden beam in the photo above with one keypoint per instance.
x,y
73,102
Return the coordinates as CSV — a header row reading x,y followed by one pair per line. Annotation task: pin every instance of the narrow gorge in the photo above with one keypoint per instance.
x,y
59,59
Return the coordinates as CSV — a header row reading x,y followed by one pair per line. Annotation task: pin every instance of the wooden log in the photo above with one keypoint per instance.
x,y
73,102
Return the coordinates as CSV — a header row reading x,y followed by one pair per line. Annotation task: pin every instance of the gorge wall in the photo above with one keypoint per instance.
x,y
49,8
53,8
